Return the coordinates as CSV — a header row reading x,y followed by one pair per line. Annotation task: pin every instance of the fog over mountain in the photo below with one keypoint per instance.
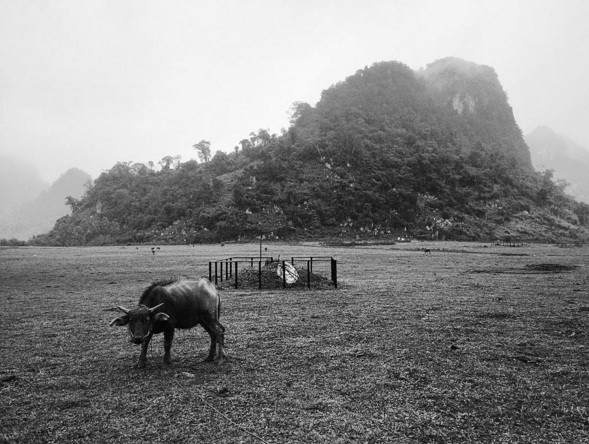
x,y
569,160
32,206
20,181
89,84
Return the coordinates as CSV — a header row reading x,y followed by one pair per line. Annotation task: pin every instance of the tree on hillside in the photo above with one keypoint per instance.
x,y
203,149
73,203
166,162
245,144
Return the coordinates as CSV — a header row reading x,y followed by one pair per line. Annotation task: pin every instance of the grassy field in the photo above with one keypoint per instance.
x,y
471,343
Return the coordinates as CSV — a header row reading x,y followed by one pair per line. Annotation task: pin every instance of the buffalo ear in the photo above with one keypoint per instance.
x,y
161,317
119,322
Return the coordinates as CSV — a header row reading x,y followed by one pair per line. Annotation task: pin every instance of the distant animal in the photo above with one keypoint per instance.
x,y
167,305
427,251
152,250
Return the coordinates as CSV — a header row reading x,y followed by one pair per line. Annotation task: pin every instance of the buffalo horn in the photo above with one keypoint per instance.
x,y
123,309
152,309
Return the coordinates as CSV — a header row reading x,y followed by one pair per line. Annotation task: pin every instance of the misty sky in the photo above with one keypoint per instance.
x,y
88,83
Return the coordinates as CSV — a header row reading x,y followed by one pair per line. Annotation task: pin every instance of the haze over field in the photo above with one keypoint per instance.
x,y
89,84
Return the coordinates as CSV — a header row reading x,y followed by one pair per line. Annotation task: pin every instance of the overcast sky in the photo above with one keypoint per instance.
x,y
88,83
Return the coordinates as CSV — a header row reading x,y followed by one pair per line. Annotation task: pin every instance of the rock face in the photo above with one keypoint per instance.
x,y
458,105
474,93
39,214
569,160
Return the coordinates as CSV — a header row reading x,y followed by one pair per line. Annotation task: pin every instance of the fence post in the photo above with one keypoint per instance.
x,y
210,271
311,265
259,275
235,274
215,272
221,262
283,274
308,275
334,272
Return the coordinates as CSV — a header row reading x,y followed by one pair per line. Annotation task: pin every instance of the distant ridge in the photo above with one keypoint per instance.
x,y
38,216
569,160
20,181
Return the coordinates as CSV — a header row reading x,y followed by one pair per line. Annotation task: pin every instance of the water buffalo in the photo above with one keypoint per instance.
x,y
167,305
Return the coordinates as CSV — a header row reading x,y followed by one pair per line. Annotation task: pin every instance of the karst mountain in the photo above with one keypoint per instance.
x,y
434,153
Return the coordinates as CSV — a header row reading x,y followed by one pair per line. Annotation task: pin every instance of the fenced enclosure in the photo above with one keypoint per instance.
x,y
268,272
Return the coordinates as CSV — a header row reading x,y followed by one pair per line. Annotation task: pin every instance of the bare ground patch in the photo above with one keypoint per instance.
x,y
544,268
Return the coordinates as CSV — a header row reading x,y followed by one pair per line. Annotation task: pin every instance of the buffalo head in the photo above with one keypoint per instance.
x,y
140,321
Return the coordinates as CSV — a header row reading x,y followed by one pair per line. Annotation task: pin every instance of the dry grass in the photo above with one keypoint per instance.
x,y
412,347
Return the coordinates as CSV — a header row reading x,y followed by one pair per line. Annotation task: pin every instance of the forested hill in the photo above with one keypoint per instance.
x,y
434,153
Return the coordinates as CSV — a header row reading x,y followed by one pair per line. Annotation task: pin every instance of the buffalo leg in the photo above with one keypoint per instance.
x,y
213,347
168,337
143,355
217,333
221,340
